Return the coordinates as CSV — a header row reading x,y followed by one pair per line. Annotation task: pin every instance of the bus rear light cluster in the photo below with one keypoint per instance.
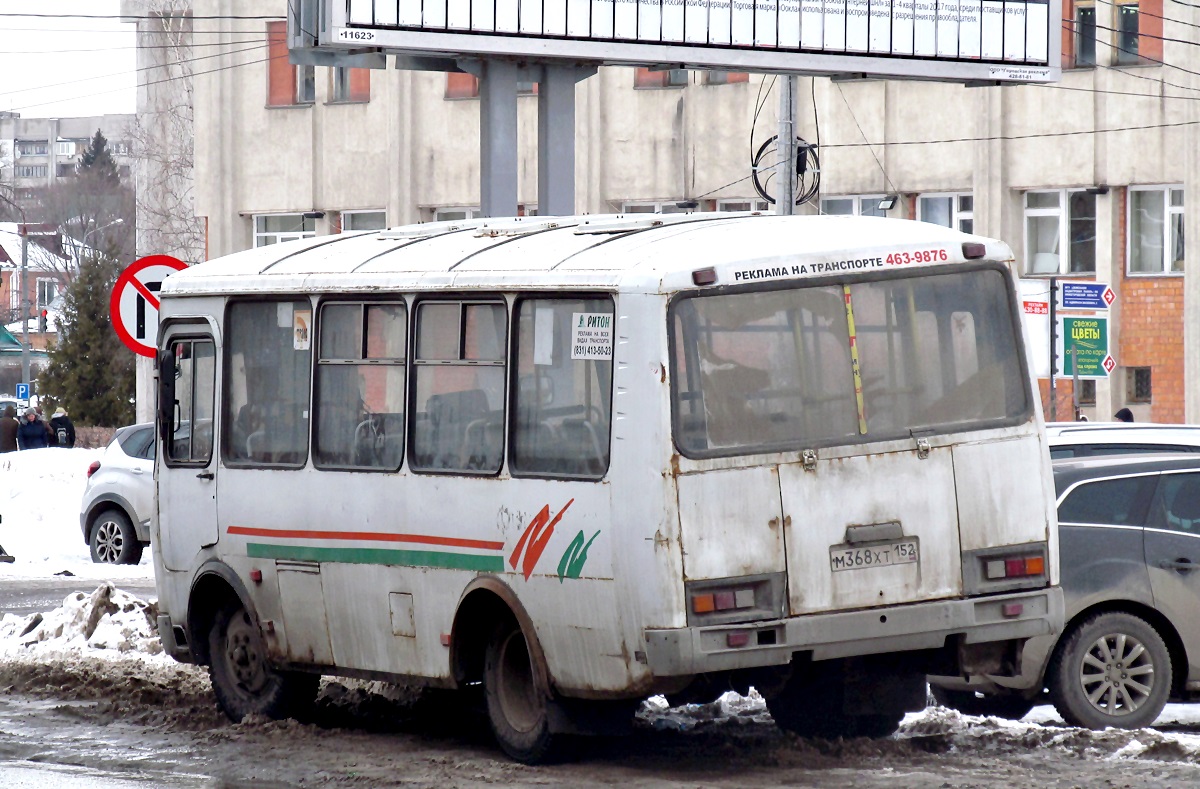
x,y
1015,567
722,600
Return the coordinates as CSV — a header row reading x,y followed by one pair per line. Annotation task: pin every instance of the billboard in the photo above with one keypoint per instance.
x,y
951,40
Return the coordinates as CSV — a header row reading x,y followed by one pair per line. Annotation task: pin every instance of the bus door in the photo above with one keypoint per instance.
x,y
187,483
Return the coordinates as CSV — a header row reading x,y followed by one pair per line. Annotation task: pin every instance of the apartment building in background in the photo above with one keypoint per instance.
x,y
36,152
1094,178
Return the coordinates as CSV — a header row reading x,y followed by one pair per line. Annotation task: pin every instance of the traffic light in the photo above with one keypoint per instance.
x,y
42,321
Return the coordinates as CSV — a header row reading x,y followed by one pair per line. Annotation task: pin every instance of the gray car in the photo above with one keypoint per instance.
x,y
1129,532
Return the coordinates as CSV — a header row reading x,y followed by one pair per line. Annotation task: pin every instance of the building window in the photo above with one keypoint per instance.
x,y
267,368
1127,34
1085,36
32,170
1054,246
743,205
1137,385
454,214
64,148
948,210
663,207
64,170
462,86
1155,230
1087,392
858,205
47,292
725,77
459,380
360,391
287,85
121,148
277,228
668,78
32,148
363,220
351,84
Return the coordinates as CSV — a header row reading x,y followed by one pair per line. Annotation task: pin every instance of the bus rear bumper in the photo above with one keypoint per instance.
x,y
1009,617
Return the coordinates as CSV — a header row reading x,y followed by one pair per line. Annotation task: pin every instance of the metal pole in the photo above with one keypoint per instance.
x,y
498,138
785,145
1053,350
24,303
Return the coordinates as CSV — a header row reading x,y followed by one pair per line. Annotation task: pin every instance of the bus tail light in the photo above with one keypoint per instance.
x,y
747,598
1015,567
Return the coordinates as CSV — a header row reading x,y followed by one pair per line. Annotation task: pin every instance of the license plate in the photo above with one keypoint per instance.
x,y
842,557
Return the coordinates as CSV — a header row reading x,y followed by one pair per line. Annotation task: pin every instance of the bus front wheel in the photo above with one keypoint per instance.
x,y
518,708
242,679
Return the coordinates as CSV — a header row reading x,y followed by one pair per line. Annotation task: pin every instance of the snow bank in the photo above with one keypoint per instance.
x,y
106,619
40,495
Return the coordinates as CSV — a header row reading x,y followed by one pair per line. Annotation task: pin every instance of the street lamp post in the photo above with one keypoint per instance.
x,y
24,233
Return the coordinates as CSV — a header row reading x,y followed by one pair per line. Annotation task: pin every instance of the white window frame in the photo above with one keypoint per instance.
x,y
739,203
1062,212
868,200
278,237
441,213
654,207
958,214
1169,212
348,217
44,284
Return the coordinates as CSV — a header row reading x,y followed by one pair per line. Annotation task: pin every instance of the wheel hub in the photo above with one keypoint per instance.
x,y
1117,674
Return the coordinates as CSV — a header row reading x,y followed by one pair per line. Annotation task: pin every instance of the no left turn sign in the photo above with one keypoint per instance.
x,y
134,303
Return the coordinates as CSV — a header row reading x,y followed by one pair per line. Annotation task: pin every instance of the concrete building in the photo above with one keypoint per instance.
x,y
1094,178
36,152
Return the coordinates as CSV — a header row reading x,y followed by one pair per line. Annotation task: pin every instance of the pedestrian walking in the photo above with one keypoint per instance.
x,y
62,429
32,434
8,429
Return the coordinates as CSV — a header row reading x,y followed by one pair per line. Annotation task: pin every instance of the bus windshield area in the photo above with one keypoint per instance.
x,y
790,369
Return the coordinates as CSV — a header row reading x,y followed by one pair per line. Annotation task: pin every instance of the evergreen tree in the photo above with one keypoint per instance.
x,y
97,163
91,373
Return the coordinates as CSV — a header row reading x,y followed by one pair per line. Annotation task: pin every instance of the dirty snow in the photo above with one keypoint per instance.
x,y
102,644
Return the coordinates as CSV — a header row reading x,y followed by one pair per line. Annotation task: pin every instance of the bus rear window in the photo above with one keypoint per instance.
x,y
803,367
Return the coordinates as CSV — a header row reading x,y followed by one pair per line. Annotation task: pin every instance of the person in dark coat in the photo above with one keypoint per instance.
x,y
32,433
62,429
1124,415
8,429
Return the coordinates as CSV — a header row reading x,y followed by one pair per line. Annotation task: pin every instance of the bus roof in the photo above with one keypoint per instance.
x,y
638,252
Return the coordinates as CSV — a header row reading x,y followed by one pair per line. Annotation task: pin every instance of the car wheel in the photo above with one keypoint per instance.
x,y
1113,669
1000,705
113,540
242,679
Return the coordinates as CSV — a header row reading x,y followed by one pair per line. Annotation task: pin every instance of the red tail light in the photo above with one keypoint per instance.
x,y
92,469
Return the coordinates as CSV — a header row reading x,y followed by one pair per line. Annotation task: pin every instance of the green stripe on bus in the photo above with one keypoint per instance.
x,y
453,561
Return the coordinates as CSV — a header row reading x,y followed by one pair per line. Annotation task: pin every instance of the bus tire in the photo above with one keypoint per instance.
x,y
242,679
1009,706
810,704
518,709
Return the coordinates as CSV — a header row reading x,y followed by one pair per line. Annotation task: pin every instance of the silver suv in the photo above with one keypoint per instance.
x,y
1129,536
119,497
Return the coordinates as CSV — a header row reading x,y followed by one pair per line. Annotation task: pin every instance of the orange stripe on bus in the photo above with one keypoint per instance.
x,y
424,539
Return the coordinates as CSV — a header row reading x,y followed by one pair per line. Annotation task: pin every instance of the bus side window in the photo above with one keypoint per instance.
x,y
563,400
459,379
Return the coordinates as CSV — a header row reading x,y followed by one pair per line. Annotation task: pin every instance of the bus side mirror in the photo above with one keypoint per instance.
x,y
166,392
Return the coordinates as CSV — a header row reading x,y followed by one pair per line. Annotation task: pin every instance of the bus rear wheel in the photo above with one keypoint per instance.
x,y
242,679
518,707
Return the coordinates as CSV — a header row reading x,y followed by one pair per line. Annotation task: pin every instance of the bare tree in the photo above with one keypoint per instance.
x,y
163,134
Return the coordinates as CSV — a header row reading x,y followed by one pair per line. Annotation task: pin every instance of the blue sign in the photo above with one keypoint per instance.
x,y
22,391
1086,295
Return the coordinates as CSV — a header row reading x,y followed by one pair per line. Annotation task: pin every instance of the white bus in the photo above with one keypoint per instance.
x,y
568,463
